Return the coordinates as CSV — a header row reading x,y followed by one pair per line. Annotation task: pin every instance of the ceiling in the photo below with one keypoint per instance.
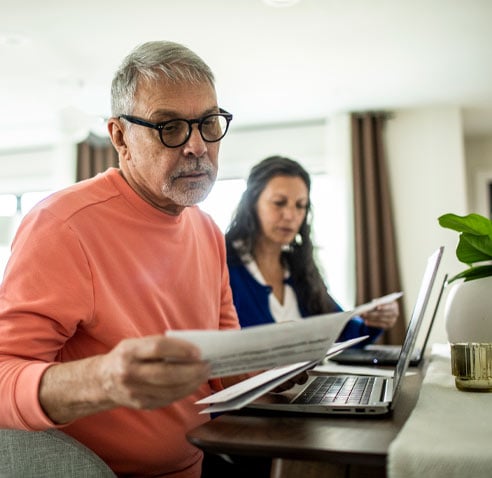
x,y
272,64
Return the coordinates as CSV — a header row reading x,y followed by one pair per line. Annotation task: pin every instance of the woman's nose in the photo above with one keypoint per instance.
x,y
289,212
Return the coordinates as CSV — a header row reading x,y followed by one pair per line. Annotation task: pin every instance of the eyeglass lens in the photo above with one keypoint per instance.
x,y
176,132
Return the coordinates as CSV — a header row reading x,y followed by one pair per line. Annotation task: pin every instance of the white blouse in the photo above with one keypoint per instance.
x,y
289,310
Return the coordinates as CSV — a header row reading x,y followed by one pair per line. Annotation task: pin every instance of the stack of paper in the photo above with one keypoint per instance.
x,y
282,349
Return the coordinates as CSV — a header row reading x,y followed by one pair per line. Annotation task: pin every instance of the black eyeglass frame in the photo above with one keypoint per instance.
x,y
199,121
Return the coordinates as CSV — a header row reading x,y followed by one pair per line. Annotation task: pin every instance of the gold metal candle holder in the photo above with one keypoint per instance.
x,y
471,364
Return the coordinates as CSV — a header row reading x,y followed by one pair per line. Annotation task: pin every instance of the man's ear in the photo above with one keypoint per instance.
x,y
117,136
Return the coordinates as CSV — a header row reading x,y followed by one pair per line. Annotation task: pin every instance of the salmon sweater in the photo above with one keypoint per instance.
x,y
90,266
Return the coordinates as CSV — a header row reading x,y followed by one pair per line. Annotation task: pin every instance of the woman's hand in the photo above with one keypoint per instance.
x,y
383,316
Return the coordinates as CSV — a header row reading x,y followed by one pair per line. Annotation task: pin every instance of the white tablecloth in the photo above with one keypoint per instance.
x,y
448,434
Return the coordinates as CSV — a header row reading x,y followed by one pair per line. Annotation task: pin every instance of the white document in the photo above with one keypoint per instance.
x,y
232,352
385,299
262,347
248,390
330,367
242,393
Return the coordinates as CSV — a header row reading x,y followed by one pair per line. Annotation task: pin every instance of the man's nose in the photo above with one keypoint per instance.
x,y
196,144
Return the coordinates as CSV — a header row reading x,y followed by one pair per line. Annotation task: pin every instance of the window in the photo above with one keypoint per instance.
x,y
8,212
223,199
13,207
30,199
8,205
331,238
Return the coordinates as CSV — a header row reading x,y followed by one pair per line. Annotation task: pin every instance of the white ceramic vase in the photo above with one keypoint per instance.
x,y
468,311
468,320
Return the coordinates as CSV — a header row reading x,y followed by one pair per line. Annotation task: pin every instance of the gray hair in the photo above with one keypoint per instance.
x,y
151,61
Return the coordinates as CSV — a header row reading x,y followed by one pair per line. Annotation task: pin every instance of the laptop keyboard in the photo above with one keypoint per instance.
x,y
333,389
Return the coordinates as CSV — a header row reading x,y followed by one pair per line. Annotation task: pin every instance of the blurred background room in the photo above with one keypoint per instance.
x,y
296,76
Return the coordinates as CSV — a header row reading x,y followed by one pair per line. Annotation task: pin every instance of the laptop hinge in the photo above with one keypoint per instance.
x,y
387,391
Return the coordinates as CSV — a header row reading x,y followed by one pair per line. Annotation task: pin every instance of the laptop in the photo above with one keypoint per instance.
x,y
357,394
387,355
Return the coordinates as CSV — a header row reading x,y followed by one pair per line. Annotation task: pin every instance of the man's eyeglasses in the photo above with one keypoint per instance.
x,y
174,133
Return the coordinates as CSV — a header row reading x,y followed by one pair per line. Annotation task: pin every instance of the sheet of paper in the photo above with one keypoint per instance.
x,y
242,393
262,347
232,352
268,376
337,347
251,391
385,299
334,368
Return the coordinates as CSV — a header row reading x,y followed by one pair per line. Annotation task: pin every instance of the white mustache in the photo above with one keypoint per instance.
x,y
200,168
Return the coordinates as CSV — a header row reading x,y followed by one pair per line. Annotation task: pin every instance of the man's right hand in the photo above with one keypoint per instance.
x,y
142,373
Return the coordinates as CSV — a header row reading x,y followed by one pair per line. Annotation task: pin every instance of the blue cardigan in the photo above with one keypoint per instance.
x,y
251,302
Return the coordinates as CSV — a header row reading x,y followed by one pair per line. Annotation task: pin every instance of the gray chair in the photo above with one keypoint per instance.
x,y
48,454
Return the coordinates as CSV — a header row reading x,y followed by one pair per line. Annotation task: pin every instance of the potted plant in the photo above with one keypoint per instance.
x,y
475,244
468,309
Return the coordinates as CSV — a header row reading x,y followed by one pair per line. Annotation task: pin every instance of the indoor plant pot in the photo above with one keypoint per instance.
x,y
468,308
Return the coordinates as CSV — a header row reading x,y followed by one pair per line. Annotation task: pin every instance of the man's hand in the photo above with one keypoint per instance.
x,y
143,373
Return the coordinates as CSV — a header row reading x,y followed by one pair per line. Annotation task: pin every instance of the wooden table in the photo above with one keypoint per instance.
x,y
311,446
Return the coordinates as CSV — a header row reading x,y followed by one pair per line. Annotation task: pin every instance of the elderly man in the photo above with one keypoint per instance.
x,y
99,271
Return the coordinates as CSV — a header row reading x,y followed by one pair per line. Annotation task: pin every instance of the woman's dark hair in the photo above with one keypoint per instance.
x,y
245,229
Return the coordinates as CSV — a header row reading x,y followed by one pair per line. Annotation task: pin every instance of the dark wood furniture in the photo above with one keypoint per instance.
x,y
311,446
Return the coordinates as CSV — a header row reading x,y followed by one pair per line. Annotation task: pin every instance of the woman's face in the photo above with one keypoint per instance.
x,y
281,208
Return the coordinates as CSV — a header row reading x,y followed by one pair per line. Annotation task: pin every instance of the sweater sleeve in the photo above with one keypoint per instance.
x,y
45,293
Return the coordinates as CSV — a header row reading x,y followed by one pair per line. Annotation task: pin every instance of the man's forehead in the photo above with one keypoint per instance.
x,y
163,82
174,97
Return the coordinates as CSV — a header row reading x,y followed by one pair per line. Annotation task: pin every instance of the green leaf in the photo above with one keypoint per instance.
x,y
473,248
473,273
472,223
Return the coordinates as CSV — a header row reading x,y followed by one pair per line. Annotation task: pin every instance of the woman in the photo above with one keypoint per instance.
x,y
272,269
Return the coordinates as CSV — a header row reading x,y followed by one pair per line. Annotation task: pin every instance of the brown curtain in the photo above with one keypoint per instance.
x,y
95,155
377,271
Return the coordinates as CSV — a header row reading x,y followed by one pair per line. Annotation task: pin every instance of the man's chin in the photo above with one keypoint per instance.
x,y
192,197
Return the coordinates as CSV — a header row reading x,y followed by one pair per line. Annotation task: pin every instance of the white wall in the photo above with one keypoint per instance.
x,y
479,173
427,171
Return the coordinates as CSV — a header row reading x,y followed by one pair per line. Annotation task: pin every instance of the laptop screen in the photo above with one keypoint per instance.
x,y
416,319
